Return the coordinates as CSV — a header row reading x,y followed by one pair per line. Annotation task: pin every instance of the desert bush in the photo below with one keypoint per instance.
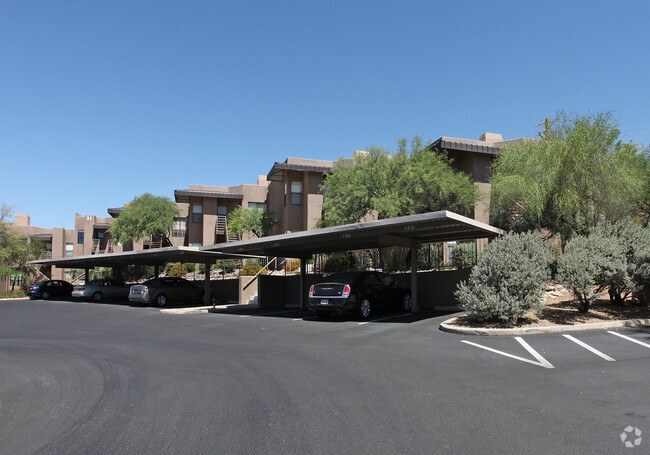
x,y
508,279
179,270
339,263
463,255
227,265
586,262
252,269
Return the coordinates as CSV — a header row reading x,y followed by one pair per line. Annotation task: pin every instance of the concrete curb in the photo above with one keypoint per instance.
x,y
211,309
446,326
16,298
193,310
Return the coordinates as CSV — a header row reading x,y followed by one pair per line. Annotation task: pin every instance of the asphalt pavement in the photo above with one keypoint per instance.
x,y
88,378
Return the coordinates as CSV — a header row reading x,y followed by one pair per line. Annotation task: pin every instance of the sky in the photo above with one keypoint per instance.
x,y
103,101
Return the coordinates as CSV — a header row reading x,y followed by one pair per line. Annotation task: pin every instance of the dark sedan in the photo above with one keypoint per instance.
x,y
360,293
50,288
162,291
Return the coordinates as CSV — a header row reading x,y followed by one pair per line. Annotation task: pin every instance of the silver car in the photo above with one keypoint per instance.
x,y
102,289
162,291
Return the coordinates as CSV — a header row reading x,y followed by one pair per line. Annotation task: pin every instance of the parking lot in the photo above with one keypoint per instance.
x,y
111,378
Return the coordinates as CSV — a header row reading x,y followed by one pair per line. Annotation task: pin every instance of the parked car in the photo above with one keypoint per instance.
x,y
162,291
361,293
102,289
49,288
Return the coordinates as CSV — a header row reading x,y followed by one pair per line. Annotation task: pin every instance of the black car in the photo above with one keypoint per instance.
x,y
50,288
360,293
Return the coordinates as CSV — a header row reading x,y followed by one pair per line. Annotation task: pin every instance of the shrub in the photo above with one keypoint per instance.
x,y
586,262
292,266
464,255
252,270
508,279
339,263
180,270
227,265
15,294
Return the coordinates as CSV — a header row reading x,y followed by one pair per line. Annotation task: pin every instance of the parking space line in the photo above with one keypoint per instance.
x,y
384,319
630,339
541,361
589,348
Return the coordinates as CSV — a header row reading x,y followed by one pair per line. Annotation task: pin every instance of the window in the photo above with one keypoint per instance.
x,y
100,236
80,237
196,244
180,227
222,210
197,213
296,193
257,205
69,248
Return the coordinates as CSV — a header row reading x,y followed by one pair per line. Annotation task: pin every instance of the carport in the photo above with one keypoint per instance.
x,y
408,231
157,257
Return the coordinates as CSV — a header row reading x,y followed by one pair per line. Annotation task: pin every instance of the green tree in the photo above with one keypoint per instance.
x,y
16,249
253,220
413,180
577,174
145,216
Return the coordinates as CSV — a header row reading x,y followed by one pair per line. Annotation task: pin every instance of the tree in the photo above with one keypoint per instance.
x,y
254,220
16,249
405,183
578,174
145,216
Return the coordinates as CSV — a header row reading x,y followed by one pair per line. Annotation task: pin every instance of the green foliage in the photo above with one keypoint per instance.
x,y
15,294
179,270
508,279
254,220
463,255
579,173
588,260
339,263
145,216
227,265
615,256
134,273
408,182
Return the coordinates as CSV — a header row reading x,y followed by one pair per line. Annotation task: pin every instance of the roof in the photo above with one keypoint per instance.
x,y
101,225
401,231
469,145
46,236
115,212
276,173
155,256
184,195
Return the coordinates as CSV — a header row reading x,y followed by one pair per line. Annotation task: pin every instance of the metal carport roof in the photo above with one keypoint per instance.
x,y
156,256
401,231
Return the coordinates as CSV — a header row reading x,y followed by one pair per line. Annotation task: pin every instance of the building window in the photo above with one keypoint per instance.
x,y
100,236
69,248
80,237
222,210
257,205
296,193
180,227
197,213
196,245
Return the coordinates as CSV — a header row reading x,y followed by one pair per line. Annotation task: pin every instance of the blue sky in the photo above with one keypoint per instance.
x,y
103,101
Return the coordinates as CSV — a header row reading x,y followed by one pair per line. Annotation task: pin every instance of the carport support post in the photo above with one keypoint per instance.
x,y
156,271
206,295
303,283
86,275
414,277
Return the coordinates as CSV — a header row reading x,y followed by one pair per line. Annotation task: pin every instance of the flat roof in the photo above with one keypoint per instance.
x,y
430,227
154,256
276,174
184,195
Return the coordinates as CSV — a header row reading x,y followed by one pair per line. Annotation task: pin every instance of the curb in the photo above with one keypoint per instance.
x,y
194,310
446,326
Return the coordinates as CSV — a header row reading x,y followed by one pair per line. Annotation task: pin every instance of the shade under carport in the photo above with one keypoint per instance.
x,y
406,231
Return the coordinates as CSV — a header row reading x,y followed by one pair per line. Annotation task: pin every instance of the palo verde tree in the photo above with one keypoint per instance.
x,y
413,180
254,220
145,216
579,173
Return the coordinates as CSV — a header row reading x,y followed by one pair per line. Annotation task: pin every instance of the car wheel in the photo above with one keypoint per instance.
x,y
364,309
406,302
45,295
161,300
323,314
97,297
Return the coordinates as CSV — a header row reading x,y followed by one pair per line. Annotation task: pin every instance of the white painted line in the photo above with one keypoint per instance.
x,y
630,339
384,319
589,348
540,363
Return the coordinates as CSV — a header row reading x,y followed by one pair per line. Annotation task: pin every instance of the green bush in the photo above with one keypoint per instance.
x,y
227,265
463,255
179,270
15,294
508,279
339,263
252,269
